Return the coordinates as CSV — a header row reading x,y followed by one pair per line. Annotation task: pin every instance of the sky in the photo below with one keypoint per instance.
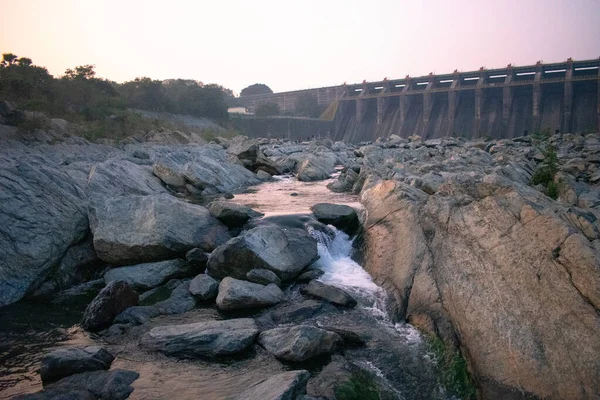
x,y
292,45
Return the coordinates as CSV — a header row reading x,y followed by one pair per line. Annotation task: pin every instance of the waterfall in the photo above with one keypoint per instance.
x,y
340,270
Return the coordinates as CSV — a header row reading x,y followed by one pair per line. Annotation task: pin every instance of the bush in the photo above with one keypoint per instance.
x,y
360,387
544,174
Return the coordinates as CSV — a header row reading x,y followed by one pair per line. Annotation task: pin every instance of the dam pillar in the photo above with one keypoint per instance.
x,y
382,102
478,102
452,102
361,104
567,98
537,96
427,105
598,100
403,101
507,97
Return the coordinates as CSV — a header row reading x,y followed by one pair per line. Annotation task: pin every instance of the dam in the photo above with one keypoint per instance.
x,y
497,103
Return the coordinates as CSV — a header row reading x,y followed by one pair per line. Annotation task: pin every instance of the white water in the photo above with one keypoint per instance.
x,y
340,270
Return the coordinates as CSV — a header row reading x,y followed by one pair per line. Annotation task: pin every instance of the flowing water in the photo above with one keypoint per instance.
x,y
395,353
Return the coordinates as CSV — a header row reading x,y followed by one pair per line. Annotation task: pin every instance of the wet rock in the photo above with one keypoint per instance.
x,y
263,176
110,302
297,312
95,385
298,343
327,381
196,258
203,339
284,386
131,229
286,253
329,293
69,361
341,216
309,275
203,287
150,275
231,214
348,335
235,294
263,276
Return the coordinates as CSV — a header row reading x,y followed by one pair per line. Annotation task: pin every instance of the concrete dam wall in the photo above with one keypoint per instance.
x,y
292,128
501,103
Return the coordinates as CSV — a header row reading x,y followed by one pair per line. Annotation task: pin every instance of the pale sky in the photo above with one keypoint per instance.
x,y
295,44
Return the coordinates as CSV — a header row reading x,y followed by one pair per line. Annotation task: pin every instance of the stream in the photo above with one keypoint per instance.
x,y
395,353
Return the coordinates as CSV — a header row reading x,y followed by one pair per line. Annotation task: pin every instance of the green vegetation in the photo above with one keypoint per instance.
x,y
453,369
359,387
544,174
98,104
267,110
257,88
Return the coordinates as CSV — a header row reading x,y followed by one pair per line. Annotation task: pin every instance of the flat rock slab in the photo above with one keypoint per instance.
x,y
231,214
150,275
235,294
133,229
263,276
284,386
111,301
105,385
202,339
285,252
341,216
70,361
329,293
298,343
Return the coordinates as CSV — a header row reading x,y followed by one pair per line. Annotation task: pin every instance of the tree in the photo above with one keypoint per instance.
x,y
267,110
81,72
307,105
8,59
257,88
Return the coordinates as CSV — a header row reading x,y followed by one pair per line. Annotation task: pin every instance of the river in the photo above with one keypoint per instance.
x,y
395,352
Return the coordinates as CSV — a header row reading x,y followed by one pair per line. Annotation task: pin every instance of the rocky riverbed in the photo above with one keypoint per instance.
x,y
206,282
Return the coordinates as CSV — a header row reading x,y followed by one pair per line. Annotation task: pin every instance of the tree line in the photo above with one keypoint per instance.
x,y
80,94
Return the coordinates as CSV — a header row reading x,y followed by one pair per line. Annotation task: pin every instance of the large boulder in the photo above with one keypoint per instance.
x,y
69,361
231,214
110,302
150,275
283,386
263,276
94,385
316,167
248,151
329,293
41,215
131,229
235,294
493,264
299,343
285,252
202,339
341,216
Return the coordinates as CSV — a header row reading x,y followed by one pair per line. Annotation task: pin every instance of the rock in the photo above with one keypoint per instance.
x,y
203,287
284,386
329,293
150,275
326,383
341,216
263,276
180,301
111,301
286,253
169,176
249,152
101,385
316,168
196,258
137,315
309,275
349,337
231,214
130,229
263,176
297,312
239,295
202,339
69,361
298,343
